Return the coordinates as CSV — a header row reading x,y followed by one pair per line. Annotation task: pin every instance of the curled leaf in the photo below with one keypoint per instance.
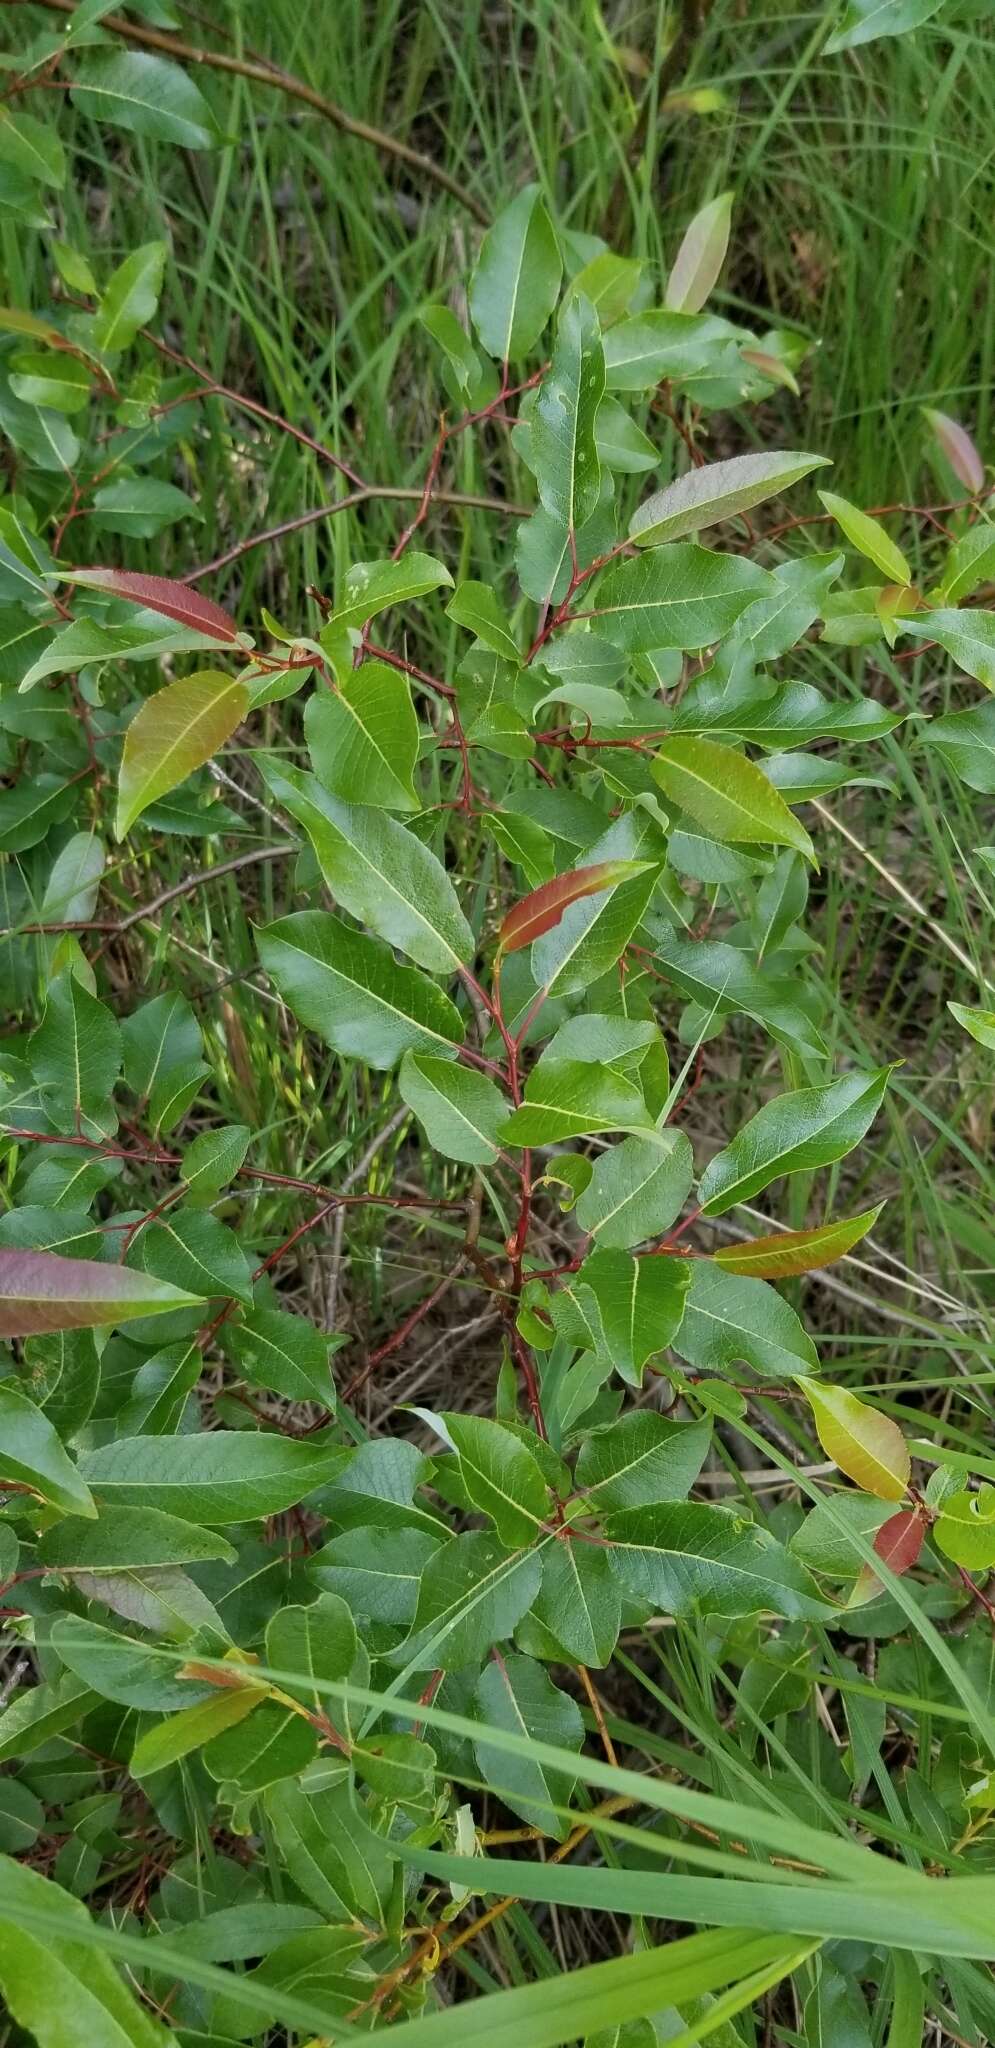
x,y
965,1529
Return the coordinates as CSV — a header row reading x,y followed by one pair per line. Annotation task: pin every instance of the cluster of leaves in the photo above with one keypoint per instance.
x,y
254,1619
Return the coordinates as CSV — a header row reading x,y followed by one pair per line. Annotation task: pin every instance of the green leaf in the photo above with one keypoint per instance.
x,y
191,1729
868,1447
330,1853
517,278
790,1252
640,1459
461,1110
571,1099
622,445
147,95
728,1318
501,1476
254,1753
158,1037
979,1023
32,1455
221,1477
58,381
579,1601
350,990
864,21
593,932
966,740
363,738
515,1693
88,641
809,1127
680,596
462,363
40,1291
317,1644
214,1157
564,447
130,299
122,1668
32,147
636,1189
822,1545
691,1559
970,563
965,1529
141,506
75,1056
73,884
868,536
727,794
376,1571
379,871
127,1539
40,1712
476,607
175,732
22,1817
716,491
190,1249
472,1594
27,812
55,1982
372,587
700,256
609,282
284,1353
968,637
637,1304
647,347
794,714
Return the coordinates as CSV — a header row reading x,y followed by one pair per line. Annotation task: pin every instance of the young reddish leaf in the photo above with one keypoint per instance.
x,y
797,1251
40,1291
899,1540
898,1543
958,447
160,594
545,906
868,1447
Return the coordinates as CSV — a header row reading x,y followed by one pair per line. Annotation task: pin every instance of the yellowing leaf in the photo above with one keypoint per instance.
x,y
797,1251
868,1447
175,732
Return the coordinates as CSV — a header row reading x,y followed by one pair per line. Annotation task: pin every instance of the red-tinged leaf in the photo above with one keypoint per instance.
x,y
39,1291
868,1447
797,1251
899,1541
160,594
959,449
538,912
772,367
